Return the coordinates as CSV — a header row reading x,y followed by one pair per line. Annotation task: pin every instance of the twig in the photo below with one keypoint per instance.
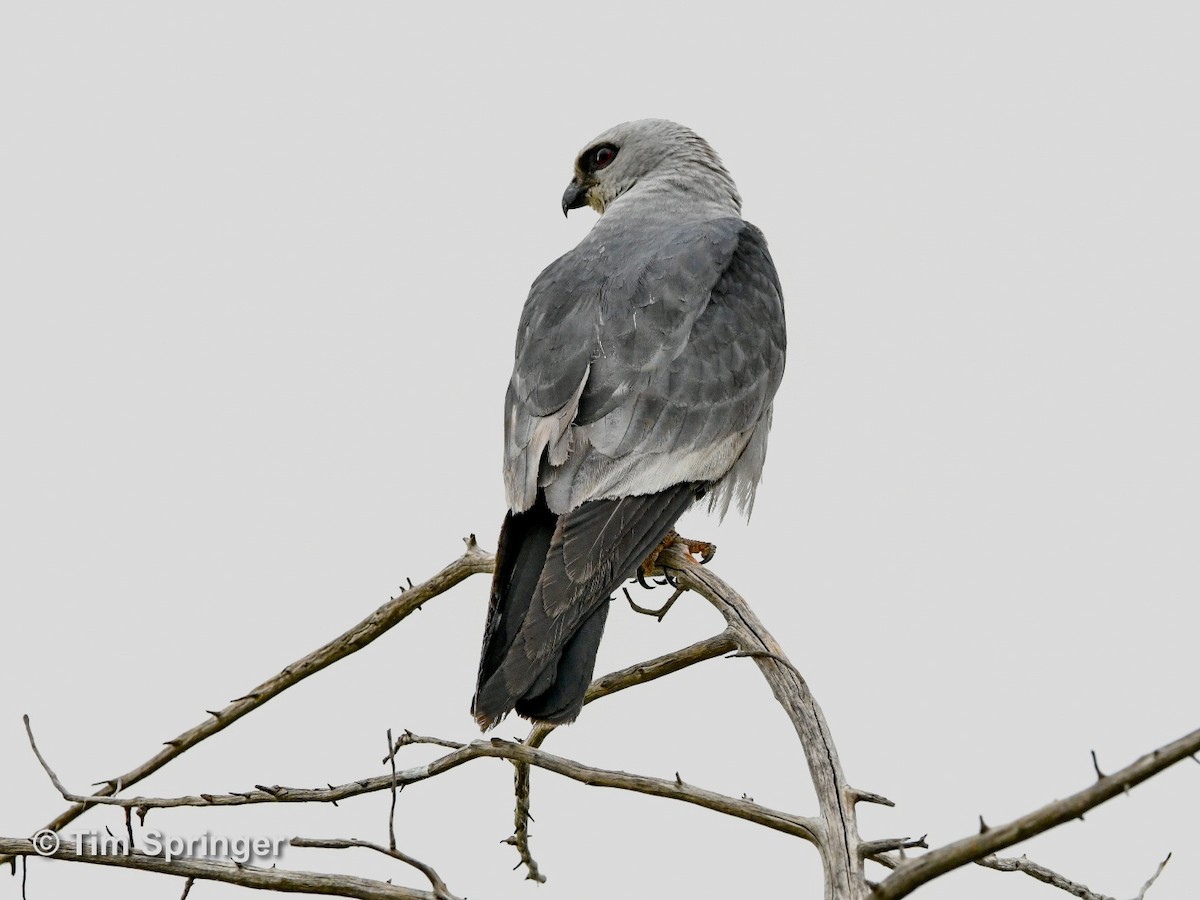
x,y
439,887
281,880
872,849
392,811
1153,878
764,654
916,872
472,562
409,738
856,796
1041,873
603,687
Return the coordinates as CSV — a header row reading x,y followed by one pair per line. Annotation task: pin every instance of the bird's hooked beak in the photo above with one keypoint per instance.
x,y
574,196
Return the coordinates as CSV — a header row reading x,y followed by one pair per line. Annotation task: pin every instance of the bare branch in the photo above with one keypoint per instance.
x,y
1153,878
392,810
857,796
255,877
838,833
872,849
916,872
495,749
602,687
1041,873
409,738
472,562
439,887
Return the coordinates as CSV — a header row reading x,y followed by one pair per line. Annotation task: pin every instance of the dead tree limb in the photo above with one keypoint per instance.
x,y
837,836
833,831
283,880
917,871
473,561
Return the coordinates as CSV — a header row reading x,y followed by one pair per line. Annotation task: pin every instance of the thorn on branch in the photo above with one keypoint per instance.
x,y
983,826
1096,765
678,780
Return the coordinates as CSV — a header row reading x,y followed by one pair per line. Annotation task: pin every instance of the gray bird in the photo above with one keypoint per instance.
x,y
647,360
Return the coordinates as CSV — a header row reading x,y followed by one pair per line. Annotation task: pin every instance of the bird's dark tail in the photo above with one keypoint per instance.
x,y
553,580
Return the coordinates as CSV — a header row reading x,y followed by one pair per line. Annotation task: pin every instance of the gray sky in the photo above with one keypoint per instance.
x,y
262,268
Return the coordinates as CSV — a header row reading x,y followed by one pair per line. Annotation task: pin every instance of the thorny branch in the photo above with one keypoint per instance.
x,y
915,872
245,876
834,831
473,561
489,749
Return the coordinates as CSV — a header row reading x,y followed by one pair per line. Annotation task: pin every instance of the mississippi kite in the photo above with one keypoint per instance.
x,y
647,360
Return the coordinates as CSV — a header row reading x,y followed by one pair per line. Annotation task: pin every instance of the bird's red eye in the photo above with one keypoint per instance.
x,y
603,156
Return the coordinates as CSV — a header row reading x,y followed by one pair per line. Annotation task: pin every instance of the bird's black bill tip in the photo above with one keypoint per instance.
x,y
574,197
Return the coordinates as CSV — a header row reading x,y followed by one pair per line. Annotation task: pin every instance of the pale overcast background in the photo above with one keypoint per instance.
x,y
262,265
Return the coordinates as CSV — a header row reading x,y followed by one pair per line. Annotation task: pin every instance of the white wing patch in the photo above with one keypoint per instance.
x,y
550,434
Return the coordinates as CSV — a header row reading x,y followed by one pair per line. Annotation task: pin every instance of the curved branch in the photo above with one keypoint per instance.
x,y
472,562
640,673
439,886
281,880
838,837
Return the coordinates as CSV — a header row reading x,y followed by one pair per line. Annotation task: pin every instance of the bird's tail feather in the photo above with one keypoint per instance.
x,y
554,577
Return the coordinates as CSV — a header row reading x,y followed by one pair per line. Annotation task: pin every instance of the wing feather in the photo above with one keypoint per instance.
x,y
659,373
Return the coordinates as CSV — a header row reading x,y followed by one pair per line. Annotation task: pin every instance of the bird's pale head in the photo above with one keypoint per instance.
x,y
655,156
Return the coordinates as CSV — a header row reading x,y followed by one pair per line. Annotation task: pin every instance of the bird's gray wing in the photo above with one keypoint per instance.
x,y
646,357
